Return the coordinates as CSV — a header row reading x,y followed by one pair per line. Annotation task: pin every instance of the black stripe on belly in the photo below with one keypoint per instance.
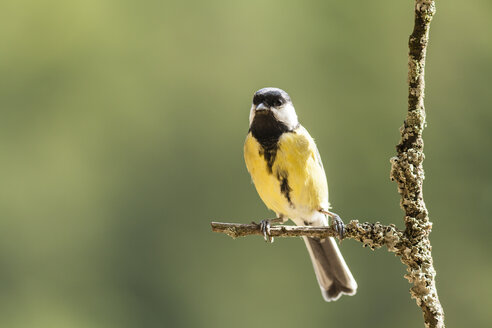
x,y
285,189
269,155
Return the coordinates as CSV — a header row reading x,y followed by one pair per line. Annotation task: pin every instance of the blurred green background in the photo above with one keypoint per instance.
x,y
121,133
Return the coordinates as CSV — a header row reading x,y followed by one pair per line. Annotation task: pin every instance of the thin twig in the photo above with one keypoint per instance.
x,y
373,235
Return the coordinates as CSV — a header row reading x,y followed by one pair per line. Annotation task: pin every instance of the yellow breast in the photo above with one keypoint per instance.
x,y
295,184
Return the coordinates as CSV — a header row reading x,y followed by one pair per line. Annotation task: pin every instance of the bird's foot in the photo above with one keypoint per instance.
x,y
337,223
265,228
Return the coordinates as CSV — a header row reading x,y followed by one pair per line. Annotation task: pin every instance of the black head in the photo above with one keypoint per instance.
x,y
271,97
271,115
273,104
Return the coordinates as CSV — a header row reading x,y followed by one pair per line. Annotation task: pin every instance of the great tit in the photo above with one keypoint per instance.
x,y
288,174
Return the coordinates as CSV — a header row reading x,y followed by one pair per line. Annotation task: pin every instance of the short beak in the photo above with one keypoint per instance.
x,y
261,107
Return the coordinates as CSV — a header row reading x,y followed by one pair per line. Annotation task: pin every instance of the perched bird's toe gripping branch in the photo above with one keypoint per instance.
x,y
337,222
265,226
265,229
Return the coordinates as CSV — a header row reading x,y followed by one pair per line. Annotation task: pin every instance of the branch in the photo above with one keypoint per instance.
x,y
408,171
412,245
373,235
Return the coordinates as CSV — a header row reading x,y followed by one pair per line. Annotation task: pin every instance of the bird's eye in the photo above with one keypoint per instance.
x,y
278,102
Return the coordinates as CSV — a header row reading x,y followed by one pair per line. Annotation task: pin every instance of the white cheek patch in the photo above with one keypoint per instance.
x,y
287,115
252,114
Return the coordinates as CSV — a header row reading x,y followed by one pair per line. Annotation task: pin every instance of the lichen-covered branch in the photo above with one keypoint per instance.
x,y
407,170
373,235
412,245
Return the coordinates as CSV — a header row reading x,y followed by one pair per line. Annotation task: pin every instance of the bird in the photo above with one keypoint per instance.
x,y
287,171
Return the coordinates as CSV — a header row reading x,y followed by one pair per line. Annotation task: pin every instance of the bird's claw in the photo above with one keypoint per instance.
x,y
338,225
265,229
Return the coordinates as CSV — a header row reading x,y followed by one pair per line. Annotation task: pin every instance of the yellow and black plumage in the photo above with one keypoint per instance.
x,y
286,168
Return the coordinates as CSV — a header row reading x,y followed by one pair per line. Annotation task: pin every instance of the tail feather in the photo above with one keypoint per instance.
x,y
333,274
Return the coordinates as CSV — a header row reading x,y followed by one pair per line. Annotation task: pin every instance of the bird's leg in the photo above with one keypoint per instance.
x,y
265,227
336,222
